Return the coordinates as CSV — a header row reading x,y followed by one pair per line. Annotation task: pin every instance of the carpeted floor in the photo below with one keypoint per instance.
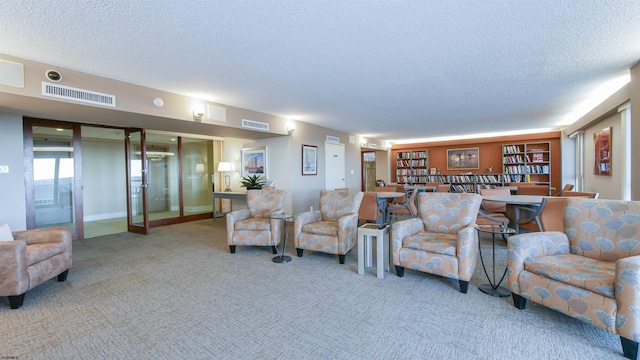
x,y
179,294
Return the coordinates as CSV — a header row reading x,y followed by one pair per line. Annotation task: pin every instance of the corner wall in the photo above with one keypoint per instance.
x,y
13,209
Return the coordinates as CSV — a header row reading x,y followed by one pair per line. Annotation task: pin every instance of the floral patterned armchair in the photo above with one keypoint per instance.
x,y
591,271
253,226
442,240
334,228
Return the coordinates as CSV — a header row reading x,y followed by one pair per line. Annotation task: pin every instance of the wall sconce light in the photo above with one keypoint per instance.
x,y
223,167
198,112
200,169
291,128
363,142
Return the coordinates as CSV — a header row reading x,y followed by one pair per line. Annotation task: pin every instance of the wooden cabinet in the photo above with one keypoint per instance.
x,y
412,167
527,162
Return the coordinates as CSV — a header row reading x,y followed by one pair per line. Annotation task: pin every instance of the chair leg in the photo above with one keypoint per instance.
x,y
232,249
341,258
464,286
399,271
274,249
519,301
16,301
629,348
299,251
63,275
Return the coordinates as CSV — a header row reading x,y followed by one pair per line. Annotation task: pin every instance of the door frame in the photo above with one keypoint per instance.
x,y
129,152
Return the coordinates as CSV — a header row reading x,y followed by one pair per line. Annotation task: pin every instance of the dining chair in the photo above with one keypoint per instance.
x,y
547,217
492,212
567,187
407,208
593,195
533,190
369,210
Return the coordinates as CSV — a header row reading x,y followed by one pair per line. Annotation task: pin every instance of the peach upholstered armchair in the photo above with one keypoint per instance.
x,y
442,240
31,258
253,226
334,228
590,271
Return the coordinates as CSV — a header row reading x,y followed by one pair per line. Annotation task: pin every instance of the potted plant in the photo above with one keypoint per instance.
x,y
252,182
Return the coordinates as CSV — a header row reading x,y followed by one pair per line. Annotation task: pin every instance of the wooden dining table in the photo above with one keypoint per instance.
x,y
512,202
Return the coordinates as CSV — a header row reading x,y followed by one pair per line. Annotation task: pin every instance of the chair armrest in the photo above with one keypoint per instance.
x,y
347,232
37,236
304,219
532,211
400,230
14,277
467,251
232,218
627,295
524,246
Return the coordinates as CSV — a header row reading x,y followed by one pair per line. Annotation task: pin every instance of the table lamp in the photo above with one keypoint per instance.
x,y
223,167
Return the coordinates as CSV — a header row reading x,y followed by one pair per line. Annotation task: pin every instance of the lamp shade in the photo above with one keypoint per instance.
x,y
225,166
200,169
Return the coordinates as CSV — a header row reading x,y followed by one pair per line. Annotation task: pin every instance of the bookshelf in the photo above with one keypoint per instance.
x,y
469,182
527,162
412,167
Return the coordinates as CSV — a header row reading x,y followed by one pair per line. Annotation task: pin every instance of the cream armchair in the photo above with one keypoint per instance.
x,y
253,226
334,228
442,240
33,257
591,271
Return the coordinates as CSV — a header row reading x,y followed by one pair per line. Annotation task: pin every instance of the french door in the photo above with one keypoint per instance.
x,y
137,181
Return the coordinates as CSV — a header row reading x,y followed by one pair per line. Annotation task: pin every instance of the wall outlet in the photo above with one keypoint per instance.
x,y
4,169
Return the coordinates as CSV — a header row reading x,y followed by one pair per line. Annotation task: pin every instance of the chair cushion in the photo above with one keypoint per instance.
x,y
42,251
582,272
5,233
253,224
321,228
437,243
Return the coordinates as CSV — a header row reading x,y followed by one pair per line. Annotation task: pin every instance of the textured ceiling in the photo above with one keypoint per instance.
x,y
385,69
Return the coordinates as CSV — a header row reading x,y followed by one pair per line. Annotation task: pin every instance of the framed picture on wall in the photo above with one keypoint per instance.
x,y
253,161
602,152
309,160
463,159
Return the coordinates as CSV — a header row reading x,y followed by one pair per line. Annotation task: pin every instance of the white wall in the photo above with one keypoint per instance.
x,y
12,189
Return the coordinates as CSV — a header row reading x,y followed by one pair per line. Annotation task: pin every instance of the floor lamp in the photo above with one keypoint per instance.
x,y
225,167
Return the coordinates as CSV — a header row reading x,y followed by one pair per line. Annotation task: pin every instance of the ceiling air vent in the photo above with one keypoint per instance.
x,y
255,125
80,95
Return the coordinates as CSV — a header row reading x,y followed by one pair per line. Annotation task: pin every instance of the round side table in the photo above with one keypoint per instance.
x,y
493,288
286,218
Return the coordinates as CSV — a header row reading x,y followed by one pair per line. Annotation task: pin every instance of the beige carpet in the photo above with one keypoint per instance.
x,y
179,294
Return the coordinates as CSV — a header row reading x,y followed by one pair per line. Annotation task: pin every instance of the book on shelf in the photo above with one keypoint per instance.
x,y
537,157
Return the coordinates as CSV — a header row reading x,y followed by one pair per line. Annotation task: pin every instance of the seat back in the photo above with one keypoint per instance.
x,y
567,187
602,229
337,203
492,207
443,188
448,212
592,195
369,207
551,217
261,203
533,190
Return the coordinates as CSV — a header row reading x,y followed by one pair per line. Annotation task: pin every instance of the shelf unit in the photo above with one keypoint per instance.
x,y
412,167
469,182
527,162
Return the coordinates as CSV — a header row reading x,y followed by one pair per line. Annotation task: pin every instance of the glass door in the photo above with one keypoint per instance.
x,y
137,216
53,175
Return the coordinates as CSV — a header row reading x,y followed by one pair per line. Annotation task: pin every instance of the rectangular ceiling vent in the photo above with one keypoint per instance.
x,y
255,125
80,95
334,139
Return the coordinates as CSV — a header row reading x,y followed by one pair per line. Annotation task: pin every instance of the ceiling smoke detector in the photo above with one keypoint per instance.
x,y
53,75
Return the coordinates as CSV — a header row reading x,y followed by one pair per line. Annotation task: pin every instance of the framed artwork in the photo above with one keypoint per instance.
x,y
309,160
254,161
602,152
463,159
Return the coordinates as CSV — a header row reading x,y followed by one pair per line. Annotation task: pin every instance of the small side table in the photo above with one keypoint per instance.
x,y
286,218
493,288
382,248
